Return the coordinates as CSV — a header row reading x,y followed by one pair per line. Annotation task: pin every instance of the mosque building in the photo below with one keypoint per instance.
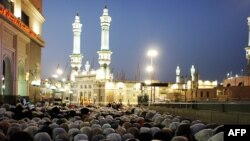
x,y
20,48
91,86
192,88
238,87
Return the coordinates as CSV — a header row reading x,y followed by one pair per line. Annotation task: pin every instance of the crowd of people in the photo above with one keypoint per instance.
x,y
61,123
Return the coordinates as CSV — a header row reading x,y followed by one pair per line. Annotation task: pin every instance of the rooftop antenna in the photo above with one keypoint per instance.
x,y
138,73
65,68
92,63
105,3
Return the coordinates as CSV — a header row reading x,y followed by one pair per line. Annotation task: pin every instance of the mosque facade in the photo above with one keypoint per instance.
x,y
90,86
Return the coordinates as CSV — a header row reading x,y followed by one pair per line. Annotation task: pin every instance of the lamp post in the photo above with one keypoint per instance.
x,y
184,86
150,69
120,87
55,84
53,88
62,93
70,96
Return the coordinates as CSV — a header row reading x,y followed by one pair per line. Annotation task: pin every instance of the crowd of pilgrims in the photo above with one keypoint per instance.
x,y
106,123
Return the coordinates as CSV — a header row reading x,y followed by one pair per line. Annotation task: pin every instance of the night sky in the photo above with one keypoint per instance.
x,y
210,34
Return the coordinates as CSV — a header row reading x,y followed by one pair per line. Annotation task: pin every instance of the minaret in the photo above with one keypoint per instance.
x,y
178,75
87,67
104,53
248,50
76,57
192,70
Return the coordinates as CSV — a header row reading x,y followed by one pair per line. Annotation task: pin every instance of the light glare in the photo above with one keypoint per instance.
x,y
59,71
152,53
149,68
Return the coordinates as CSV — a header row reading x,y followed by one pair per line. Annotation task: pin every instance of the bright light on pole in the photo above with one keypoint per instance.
x,y
63,79
55,76
152,53
59,71
150,68
70,96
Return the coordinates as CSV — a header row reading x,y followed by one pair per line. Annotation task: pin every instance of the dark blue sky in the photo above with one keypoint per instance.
x,y
210,34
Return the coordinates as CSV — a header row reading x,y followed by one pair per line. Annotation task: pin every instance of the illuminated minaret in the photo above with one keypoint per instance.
x,y
192,70
104,53
76,57
178,79
248,50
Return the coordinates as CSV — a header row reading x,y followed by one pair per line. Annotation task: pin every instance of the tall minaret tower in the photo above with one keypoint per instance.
x,y
192,70
105,52
76,57
248,50
178,71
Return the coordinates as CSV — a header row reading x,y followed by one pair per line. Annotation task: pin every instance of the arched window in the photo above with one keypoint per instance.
x,y
241,84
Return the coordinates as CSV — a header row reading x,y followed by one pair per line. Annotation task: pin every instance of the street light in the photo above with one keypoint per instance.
x,y
152,53
70,96
150,69
120,87
59,71
184,87
53,88
62,93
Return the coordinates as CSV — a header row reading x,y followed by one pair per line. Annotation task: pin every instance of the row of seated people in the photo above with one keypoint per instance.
x,y
60,123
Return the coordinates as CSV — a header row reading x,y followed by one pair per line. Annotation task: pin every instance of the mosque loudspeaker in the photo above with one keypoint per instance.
x,y
105,66
75,68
